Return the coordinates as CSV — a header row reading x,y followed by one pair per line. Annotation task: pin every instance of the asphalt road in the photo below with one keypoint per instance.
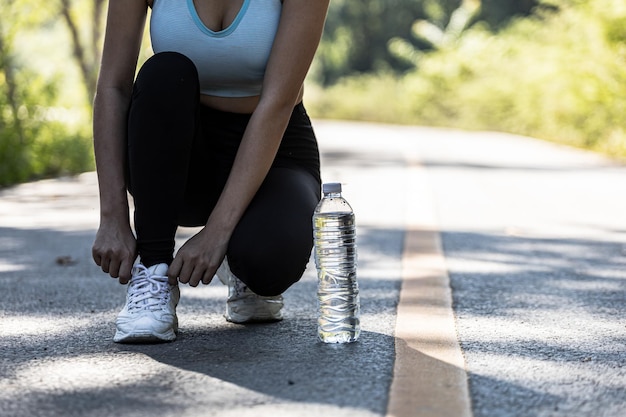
x,y
534,240
535,237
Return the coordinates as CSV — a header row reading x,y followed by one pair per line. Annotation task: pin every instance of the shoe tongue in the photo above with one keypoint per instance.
x,y
158,269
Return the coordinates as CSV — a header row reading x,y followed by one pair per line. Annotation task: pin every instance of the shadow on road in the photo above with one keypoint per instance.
x,y
56,324
547,312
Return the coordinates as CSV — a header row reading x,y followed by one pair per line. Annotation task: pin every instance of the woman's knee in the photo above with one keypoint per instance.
x,y
165,99
168,74
271,269
272,243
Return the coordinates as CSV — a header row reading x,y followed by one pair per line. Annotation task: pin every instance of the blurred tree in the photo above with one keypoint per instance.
x,y
356,35
498,12
35,141
13,138
10,85
436,33
85,42
367,36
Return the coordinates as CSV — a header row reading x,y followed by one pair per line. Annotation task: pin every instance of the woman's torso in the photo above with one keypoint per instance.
x,y
229,43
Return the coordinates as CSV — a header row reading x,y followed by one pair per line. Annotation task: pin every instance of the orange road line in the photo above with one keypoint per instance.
x,y
429,377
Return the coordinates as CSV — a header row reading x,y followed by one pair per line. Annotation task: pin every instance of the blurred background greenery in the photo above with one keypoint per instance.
x,y
551,69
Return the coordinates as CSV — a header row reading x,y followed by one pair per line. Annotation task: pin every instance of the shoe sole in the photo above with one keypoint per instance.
x,y
259,318
144,337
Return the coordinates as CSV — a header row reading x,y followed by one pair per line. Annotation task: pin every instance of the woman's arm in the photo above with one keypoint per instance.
x,y
297,39
114,248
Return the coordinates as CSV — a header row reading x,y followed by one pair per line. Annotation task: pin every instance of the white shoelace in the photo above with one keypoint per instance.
x,y
147,292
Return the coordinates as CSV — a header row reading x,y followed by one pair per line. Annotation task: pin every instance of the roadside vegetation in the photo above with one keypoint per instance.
x,y
557,74
552,69
44,109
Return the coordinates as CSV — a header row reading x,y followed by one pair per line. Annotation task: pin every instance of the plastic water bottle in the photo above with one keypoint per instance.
x,y
335,259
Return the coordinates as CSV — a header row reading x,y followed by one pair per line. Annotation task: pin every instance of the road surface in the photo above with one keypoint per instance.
x,y
493,283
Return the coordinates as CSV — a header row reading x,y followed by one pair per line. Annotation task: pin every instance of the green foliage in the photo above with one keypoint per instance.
x,y
356,36
38,136
60,152
559,76
497,13
435,34
13,158
40,140
368,36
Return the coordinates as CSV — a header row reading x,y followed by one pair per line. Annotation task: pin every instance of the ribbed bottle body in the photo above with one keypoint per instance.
x,y
336,261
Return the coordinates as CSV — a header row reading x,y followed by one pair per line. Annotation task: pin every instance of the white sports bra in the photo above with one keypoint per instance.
x,y
230,62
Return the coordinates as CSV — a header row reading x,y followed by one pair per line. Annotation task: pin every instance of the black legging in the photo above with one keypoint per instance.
x,y
180,154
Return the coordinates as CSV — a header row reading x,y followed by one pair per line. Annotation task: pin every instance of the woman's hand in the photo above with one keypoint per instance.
x,y
115,250
198,259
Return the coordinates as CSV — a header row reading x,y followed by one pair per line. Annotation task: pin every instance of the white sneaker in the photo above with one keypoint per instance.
x,y
150,311
244,306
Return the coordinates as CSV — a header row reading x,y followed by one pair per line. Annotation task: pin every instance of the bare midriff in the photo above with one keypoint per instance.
x,y
245,105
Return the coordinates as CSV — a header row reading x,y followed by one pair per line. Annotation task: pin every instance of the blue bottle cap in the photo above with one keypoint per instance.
x,y
331,187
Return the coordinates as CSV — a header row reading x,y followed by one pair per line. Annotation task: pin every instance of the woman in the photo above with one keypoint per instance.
x,y
211,133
